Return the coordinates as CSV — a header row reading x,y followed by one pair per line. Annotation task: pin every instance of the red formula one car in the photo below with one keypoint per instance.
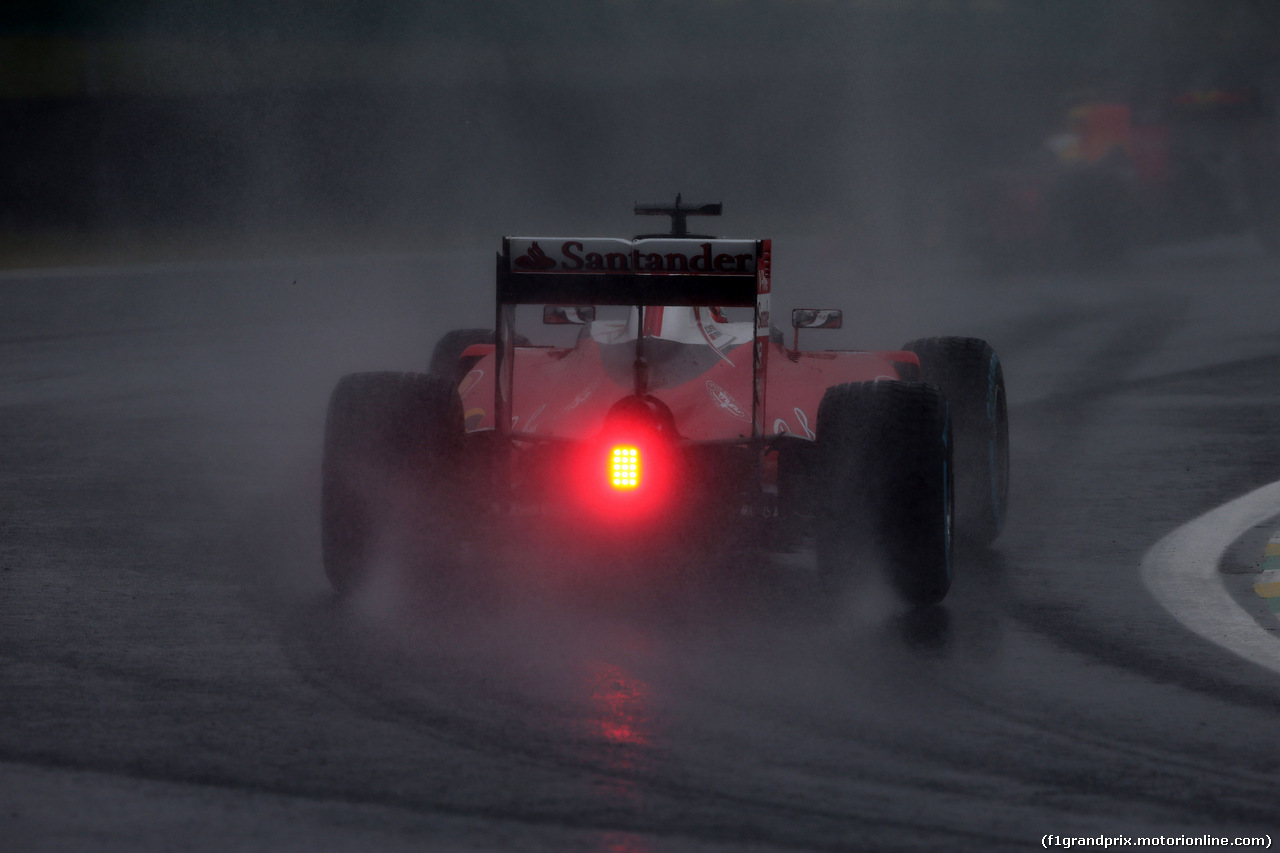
x,y
660,404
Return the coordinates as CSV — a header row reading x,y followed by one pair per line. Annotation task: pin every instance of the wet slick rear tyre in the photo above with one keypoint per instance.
x,y
391,465
969,373
885,460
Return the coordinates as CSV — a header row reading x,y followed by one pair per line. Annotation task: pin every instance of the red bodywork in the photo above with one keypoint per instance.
x,y
566,393
710,436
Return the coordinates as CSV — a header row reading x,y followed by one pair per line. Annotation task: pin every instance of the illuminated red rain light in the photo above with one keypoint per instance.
x,y
625,467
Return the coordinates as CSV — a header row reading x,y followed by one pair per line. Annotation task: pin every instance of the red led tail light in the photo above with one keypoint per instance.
x,y
626,475
625,467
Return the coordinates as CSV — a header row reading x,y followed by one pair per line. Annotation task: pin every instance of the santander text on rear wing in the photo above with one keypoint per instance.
x,y
652,271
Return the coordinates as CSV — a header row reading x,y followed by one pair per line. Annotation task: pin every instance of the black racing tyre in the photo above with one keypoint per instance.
x,y
969,372
391,466
446,358
885,483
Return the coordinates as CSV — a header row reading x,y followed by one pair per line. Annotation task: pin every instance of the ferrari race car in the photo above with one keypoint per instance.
x,y
635,390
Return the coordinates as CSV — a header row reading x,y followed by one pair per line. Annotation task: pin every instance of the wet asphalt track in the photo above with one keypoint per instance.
x,y
173,674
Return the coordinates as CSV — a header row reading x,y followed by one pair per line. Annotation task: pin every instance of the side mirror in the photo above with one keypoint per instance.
x,y
814,318
817,318
568,315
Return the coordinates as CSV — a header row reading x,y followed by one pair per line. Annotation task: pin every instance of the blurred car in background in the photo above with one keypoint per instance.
x,y
1205,162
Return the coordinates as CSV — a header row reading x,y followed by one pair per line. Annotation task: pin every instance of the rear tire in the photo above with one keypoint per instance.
x,y
885,461
969,372
391,466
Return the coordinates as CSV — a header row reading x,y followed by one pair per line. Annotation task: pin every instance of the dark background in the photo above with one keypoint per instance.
x,y
400,124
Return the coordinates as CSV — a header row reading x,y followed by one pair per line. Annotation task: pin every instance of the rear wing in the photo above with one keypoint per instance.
x,y
650,271
692,271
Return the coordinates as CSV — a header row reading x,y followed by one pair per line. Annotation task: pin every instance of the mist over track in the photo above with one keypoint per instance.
x,y
174,665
